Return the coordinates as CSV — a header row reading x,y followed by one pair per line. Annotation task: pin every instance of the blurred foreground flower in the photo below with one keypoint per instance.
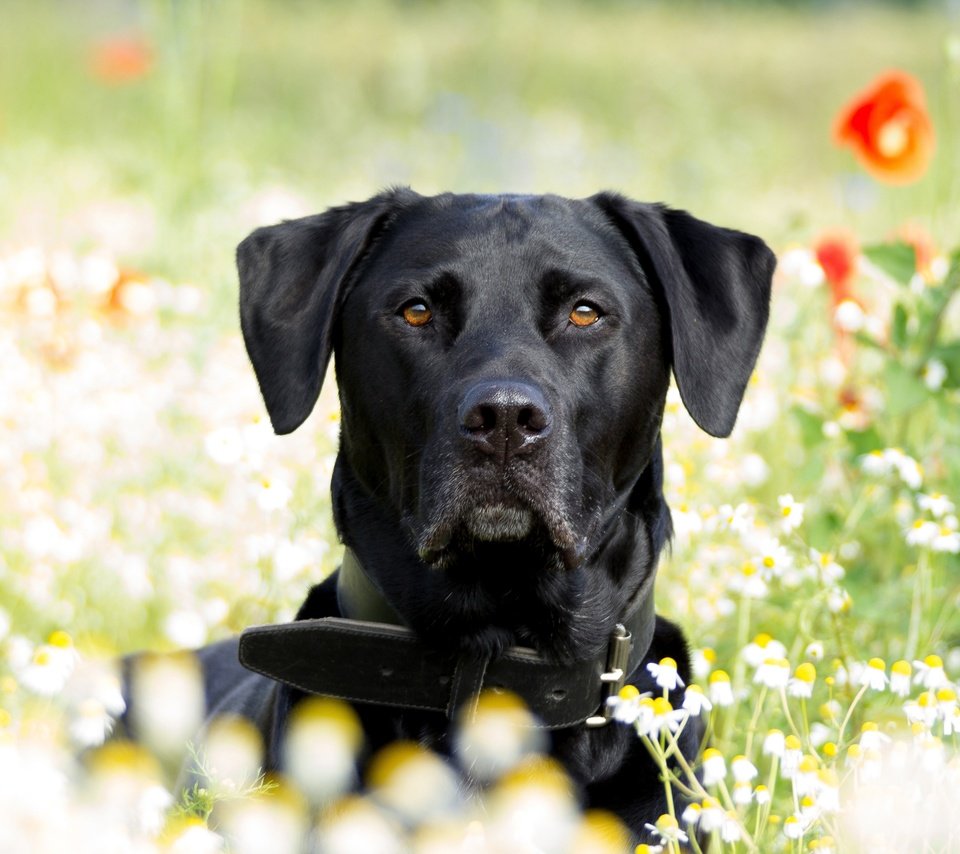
x,y
121,60
836,253
888,128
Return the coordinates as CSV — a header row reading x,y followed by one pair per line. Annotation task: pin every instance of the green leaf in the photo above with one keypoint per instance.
x,y
898,333
864,441
905,392
811,427
949,354
897,260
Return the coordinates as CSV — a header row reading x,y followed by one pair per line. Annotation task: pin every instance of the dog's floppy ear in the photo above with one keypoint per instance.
x,y
291,282
715,285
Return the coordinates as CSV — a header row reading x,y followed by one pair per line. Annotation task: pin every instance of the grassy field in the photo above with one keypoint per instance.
x,y
144,501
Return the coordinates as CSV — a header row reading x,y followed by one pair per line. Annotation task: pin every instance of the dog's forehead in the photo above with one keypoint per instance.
x,y
501,235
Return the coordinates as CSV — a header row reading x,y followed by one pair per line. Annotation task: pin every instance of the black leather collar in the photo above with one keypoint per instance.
x,y
378,660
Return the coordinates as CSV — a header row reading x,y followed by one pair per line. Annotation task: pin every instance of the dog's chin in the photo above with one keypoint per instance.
x,y
499,531
498,523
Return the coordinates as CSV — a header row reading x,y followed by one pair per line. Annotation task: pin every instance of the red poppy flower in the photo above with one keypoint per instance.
x,y
837,253
888,128
121,60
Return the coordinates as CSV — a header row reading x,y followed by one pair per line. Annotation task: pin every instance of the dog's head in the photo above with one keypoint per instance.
x,y
503,363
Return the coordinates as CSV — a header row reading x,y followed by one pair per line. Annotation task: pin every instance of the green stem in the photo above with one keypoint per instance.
x,y
846,720
751,730
916,607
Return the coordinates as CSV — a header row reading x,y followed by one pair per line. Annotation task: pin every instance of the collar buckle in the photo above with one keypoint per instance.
x,y
618,658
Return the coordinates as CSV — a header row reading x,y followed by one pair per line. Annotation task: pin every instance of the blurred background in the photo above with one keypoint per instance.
x,y
140,141
144,501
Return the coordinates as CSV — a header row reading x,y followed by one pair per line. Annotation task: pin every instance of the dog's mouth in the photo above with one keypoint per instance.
x,y
497,523
542,534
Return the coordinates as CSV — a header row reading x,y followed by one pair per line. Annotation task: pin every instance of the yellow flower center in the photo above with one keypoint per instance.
x,y
901,668
661,706
628,692
894,137
933,661
60,639
877,664
806,672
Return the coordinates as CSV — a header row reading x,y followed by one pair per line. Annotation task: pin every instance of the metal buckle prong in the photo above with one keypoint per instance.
x,y
618,657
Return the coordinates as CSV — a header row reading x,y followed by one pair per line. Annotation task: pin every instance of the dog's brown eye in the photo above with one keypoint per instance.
x,y
584,315
417,314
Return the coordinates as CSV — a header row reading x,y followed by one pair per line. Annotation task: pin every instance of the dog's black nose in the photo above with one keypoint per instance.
x,y
503,417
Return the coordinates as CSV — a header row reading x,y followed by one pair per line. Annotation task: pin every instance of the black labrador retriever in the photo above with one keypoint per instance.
x,y
502,363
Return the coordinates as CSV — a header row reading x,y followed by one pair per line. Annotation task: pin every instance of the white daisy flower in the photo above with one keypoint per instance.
x,y
900,672
730,830
702,661
749,582
930,672
922,533
801,684
870,736
773,673
711,815
792,827
874,674
791,512
761,794
839,600
714,766
664,716
849,317
721,692
792,756
625,705
272,494
774,559
826,567
742,794
668,830
922,711
695,701
910,472
691,815
743,769
773,743
814,651
665,673
936,504
876,464
763,646
946,541
934,374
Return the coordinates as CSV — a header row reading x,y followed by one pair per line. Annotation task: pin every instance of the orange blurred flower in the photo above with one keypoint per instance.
x,y
121,60
923,246
888,128
836,253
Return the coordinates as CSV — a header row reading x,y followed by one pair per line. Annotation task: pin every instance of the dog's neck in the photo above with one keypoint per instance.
x,y
566,615
358,597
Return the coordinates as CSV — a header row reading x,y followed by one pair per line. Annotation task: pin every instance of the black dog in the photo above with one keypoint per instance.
x,y
503,363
